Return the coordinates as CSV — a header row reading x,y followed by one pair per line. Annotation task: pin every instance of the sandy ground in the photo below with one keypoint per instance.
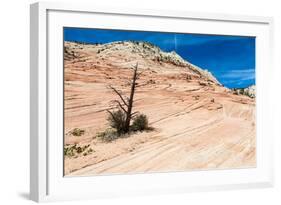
x,y
197,125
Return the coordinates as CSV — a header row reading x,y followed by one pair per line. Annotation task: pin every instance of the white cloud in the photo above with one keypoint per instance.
x,y
241,74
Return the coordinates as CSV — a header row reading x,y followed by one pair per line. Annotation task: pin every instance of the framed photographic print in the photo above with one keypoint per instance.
x,y
127,102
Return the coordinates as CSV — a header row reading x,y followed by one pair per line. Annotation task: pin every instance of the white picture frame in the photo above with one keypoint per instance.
x,y
46,175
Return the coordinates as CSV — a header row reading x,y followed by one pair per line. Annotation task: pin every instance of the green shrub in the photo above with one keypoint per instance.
x,y
77,132
108,135
90,150
140,123
117,121
87,152
74,150
68,152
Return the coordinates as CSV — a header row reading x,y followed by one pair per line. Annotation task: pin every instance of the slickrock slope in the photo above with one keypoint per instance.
x,y
198,123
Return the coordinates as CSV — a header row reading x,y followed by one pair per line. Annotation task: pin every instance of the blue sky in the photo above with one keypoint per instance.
x,y
231,59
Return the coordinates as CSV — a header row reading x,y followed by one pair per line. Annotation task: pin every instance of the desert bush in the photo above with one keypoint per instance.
x,y
90,150
77,132
140,123
68,151
117,120
74,150
87,152
108,135
79,150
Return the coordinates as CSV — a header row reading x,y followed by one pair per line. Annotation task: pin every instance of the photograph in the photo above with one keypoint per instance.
x,y
139,102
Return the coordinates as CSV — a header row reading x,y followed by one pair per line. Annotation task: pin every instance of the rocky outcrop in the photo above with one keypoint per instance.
x,y
248,91
145,50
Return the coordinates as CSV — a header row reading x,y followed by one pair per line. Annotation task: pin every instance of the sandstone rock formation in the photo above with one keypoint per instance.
x,y
199,124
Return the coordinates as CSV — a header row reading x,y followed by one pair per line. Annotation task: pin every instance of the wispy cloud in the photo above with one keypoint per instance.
x,y
246,74
238,76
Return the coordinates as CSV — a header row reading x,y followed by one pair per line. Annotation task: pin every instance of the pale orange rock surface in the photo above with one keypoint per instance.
x,y
198,124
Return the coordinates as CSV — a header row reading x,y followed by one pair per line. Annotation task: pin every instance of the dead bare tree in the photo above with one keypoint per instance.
x,y
126,103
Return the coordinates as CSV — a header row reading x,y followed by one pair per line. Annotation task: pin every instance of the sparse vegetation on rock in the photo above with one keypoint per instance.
x,y
140,123
117,120
108,135
75,150
77,132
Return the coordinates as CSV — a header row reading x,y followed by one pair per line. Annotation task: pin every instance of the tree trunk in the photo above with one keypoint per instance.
x,y
131,100
126,104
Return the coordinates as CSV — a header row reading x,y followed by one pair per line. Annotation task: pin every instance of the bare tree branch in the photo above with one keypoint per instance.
x,y
134,113
135,67
139,85
119,94
111,114
121,106
128,82
139,74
